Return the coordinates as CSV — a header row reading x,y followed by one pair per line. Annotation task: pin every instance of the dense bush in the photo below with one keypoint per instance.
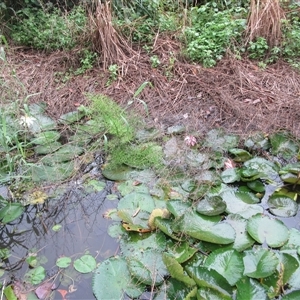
x,y
49,29
212,32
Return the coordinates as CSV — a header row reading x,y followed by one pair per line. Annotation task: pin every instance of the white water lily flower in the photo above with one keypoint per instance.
x,y
26,121
190,140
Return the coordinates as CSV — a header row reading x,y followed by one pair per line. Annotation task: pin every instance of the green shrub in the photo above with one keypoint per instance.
x,y
258,48
212,33
49,30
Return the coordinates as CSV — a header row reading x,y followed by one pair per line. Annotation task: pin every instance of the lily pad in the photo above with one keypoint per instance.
x,y
85,264
136,201
264,229
242,240
45,137
228,263
182,252
257,141
36,275
282,206
267,168
11,212
205,228
216,139
241,155
112,280
294,295
260,263
148,267
63,262
283,144
230,175
211,206
250,289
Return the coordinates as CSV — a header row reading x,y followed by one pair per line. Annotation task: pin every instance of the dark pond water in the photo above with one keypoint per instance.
x,y
84,229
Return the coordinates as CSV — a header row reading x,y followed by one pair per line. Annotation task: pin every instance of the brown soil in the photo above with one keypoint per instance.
x,y
235,95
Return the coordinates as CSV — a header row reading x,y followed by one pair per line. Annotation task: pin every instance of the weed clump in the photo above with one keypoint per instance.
x,y
119,140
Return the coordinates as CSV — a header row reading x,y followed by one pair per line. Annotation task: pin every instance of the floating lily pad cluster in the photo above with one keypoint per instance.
x,y
197,238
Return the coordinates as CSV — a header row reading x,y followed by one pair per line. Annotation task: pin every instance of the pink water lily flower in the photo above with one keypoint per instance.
x,y
229,164
190,140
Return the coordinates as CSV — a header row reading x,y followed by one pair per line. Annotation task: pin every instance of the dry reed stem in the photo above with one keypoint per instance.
x,y
112,47
264,20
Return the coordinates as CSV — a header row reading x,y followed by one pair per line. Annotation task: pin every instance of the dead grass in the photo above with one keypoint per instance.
x,y
264,20
235,95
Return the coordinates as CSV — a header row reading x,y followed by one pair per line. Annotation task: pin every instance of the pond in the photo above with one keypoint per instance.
x,y
83,230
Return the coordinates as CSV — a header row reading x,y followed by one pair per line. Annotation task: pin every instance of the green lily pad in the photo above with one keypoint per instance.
x,y
263,166
282,206
260,263
11,212
65,153
45,137
256,186
241,155
216,139
85,264
283,144
290,265
291,168
205,228
294,295
136,201
237,205
48,148
71,117
228,263
250,289
182,252
112,280
166,227
247,197
36,275
290,178
211,206
257,141
293,241
94,185
55,173
178,207
137,242
242,240
210,279
63,262
264,229
176,270
148,267
231,175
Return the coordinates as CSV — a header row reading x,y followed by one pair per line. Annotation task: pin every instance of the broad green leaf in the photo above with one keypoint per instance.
x,y
71,117
294,295
236,205
209,279
264,229
147,267
166,227
85,264
289,265
228,263
174,289
293,241
63,262
283,144
242,240
9,293
11,212
257,141
250,289
247,197
218,140
46,137
47,148
178,207
112,280
137,242
205,228
205,293
241,155
36,275
282,206
291,168
129,186
231,175
136,201
94,186
211,206
181,251
256,186
175,269
290,178
57,227
260,263
263,166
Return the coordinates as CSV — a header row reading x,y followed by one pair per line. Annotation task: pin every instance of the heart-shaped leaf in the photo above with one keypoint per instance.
x,y
211,206
282,206
85,264
250,289
264,229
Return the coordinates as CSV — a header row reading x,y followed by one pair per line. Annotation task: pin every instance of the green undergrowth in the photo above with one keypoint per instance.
x,y
120,140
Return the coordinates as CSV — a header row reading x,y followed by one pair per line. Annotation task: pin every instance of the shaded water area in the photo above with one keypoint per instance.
x,y
84,230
